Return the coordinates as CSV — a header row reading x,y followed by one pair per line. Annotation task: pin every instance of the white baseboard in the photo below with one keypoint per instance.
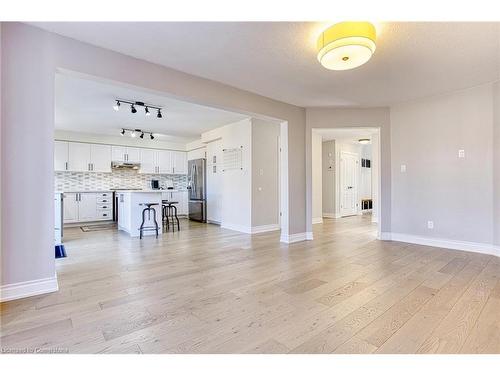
x,y
331,215
251,230
266,228
297,237
28,288
384,236
317,220
237,227
475,247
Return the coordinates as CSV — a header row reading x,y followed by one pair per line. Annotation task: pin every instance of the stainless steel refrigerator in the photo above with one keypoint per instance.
x,y
197,182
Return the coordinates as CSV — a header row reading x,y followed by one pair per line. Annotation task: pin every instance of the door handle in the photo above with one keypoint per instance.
x,y
66,165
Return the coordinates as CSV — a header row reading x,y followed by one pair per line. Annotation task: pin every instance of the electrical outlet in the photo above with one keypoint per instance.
x,y
430,224
461,153
403,168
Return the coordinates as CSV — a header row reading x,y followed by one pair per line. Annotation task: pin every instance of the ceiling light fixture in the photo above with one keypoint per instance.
x,y
364,141
134,104
346,45
134,132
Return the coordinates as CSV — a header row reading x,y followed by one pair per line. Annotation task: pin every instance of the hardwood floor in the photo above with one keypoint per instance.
x,y
210,290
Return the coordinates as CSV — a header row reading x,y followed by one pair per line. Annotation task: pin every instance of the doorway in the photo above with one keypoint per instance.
x,y
348,183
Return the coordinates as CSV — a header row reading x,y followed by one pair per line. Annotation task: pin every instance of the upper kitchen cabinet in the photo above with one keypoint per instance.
x,y
149,162
60,156
179,162
79,157
126,154
164,160
100,158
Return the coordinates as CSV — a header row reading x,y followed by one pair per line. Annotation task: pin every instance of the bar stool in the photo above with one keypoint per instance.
x,y
149,208
170,213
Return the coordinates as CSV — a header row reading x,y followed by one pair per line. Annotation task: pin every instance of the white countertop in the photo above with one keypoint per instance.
x,y
124,191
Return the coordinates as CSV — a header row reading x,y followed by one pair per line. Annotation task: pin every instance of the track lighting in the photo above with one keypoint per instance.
x,y
133,109
134,132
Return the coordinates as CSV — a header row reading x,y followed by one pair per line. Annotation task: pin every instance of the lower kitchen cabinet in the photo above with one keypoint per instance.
x,y
85,207
178,196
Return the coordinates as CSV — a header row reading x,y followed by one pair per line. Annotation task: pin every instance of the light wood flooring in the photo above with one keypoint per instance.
x,y
210,290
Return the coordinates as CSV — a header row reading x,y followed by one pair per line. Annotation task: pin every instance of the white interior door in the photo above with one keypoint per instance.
x,y
349,164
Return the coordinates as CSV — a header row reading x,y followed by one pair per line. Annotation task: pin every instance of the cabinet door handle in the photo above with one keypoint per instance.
x,y
66,165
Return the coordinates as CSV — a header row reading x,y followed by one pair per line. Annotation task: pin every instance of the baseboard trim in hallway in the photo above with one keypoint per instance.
x,y
475,247
30,288
297,237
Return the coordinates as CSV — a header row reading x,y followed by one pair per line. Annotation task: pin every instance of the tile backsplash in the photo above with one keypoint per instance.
x,y
123,179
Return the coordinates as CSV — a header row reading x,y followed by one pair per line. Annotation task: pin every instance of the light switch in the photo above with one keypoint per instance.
x,y
461,153
403,168
261,172
430,224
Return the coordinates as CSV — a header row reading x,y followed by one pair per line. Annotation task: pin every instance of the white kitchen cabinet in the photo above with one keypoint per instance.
x,y
199,153
70,207
85,207
100,158
214,181
164,161
178,196
126,154
78,157
179,162
87,210
149,162
60,156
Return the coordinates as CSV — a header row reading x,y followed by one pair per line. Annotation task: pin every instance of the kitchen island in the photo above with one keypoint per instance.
x,y
130,206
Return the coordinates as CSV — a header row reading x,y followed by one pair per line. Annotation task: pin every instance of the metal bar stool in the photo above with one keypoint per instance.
x,y
148,209
170,213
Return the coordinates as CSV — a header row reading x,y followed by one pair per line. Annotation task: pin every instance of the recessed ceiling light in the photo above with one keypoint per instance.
x,y
346,45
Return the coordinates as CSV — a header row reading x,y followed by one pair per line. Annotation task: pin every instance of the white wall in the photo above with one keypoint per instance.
x,y
456,194
365,188
361,117
236,183
196,150
328,178
28,258
317,178
265,174
496,162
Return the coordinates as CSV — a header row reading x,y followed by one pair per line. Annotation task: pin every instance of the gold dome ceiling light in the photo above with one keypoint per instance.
x,y
346,45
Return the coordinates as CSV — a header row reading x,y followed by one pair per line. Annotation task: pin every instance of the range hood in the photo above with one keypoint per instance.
x,y
125,165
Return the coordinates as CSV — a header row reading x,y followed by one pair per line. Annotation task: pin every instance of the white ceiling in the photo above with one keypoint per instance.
x,y
87,106
278,59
